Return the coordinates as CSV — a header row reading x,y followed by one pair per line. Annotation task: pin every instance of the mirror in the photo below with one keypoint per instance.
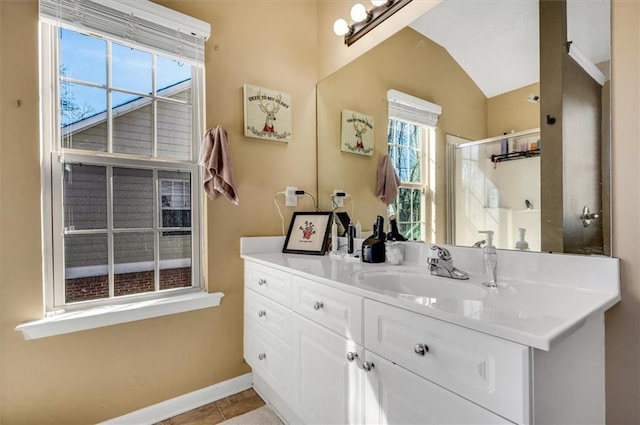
x,y
482,63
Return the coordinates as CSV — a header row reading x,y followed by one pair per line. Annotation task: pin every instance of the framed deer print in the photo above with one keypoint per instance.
x,y
357,133
267,114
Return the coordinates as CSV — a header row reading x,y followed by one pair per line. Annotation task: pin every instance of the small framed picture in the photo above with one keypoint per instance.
x,y
357,133
308,233
267,113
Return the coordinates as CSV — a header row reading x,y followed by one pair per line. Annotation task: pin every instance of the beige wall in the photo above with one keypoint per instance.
x,y
512,112
94,375
623,321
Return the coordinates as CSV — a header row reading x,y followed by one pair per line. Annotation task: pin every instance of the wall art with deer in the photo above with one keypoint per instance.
x,y
267,114
357,133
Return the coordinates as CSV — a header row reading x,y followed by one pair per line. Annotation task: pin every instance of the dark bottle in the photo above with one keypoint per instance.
x,y
394,234
351,233
373,246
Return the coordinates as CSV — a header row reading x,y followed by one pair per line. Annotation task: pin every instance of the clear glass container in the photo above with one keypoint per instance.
x,y
394,252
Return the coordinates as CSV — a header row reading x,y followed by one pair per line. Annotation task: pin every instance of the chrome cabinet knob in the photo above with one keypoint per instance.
x,y
421,349
366,366
262,356
262,282
318,305
261,313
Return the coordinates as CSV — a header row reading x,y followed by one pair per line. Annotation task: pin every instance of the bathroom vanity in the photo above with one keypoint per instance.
x,y
332,341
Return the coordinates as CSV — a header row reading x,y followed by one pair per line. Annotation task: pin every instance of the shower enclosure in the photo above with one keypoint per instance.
x,y
494,184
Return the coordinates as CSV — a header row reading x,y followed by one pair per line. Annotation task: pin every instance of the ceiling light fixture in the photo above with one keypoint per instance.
x,y
359,13
364,21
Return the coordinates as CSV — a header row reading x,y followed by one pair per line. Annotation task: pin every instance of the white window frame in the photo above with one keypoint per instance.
x,y
51,182
413,110
427,136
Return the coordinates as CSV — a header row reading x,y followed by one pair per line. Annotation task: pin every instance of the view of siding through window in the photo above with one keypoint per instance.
x,y
405,145
127,224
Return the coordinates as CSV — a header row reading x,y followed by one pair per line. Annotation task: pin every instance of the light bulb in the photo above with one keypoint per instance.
x,y
358,13
378,2
340,27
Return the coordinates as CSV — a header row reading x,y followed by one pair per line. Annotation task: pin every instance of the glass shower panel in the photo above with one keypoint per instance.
x,y
496,187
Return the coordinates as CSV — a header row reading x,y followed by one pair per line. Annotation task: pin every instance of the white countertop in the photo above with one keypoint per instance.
x,y
541,297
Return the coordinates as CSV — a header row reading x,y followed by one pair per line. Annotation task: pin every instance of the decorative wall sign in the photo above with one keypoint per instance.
x,y
357,133
308,233
267,114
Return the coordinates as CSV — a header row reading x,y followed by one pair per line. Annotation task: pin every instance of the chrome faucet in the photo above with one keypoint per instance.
x,y
442,265
479,243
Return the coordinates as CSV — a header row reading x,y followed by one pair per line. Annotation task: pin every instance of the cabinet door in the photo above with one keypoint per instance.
x,y
268,356
397,396
328,388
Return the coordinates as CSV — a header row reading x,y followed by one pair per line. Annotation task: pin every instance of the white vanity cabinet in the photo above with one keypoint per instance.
x,y
306,341
324,352
297,334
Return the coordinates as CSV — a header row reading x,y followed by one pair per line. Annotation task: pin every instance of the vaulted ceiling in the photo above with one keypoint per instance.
x,y
497,41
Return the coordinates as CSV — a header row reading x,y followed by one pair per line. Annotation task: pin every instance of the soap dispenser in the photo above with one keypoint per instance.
x,y
373,246
489,261
522,245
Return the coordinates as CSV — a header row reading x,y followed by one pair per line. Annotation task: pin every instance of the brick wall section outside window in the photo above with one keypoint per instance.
x,y
97,287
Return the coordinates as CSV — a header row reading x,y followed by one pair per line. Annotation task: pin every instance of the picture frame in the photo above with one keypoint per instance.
x,y
267,113
308,233
356,134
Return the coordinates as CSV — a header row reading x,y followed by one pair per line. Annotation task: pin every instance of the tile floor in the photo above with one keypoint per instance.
x,y
218,411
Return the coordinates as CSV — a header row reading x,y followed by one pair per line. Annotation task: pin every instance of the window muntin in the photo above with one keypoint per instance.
x,y
118,133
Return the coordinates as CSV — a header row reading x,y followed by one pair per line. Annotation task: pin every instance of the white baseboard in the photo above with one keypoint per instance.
x,y
168,408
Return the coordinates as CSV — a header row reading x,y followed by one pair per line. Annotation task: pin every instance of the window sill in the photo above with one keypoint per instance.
x,y
115,314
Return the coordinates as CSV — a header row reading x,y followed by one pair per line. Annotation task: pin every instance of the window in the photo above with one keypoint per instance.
x,y
122,114
175,196
411,146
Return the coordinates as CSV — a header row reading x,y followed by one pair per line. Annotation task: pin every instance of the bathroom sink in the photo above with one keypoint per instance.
x,y
417,282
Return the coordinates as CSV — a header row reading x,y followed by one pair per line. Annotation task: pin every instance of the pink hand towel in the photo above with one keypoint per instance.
x,y
215,157
388,180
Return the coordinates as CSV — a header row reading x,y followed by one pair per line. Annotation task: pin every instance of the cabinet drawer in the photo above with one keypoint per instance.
x,y
269,357
336,310
271,283
268,314
487,370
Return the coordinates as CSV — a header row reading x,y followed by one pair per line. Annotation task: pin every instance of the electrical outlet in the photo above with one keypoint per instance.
x,y
338,201
291,199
